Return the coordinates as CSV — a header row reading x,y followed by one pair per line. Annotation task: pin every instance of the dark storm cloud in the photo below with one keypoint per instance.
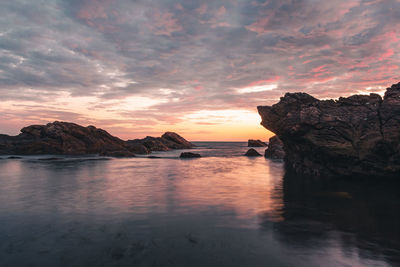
x,y
203,52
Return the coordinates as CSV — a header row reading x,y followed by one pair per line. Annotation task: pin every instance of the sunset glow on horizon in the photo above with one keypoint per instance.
x,y
199,68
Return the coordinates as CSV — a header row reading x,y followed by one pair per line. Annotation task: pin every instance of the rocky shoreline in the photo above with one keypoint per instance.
x,y
65,138
354,136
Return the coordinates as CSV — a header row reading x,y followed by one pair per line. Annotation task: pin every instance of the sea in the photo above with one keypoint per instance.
x,y
223,209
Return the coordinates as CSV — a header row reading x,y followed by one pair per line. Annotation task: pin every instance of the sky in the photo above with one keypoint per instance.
x,y
200,68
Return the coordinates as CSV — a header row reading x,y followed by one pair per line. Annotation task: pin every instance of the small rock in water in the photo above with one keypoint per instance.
x,y
51,159
189,155
252,153
14,157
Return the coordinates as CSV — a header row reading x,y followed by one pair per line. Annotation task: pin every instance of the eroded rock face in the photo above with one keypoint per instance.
x,y
64,138
275,148
354,136
255,143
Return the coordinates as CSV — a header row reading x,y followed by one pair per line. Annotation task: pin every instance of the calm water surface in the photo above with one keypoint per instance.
x,y
220,210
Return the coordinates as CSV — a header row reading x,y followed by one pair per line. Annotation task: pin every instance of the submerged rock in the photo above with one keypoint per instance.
x,y
189,155
275,148
65,138
255,143
51,159
354,136
252,153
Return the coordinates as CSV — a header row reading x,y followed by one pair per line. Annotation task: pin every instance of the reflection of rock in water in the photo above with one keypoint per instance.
x,y
356,214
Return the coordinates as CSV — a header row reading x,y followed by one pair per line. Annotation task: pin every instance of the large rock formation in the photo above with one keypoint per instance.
x,y
255,143
354,136
72,139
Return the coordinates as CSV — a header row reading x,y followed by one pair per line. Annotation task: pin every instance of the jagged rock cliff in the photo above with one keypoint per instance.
x,y
72,139
354,136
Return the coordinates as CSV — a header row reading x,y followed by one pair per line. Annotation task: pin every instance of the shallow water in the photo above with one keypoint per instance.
x,y
220,210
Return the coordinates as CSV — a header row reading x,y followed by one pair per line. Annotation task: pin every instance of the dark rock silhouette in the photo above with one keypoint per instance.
x,y
167,141
252,153
189,155
275,148
150,143
64,138
255,143
354,136
175,141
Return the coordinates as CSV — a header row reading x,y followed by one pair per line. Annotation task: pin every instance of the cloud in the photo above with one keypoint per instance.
x,y
188,56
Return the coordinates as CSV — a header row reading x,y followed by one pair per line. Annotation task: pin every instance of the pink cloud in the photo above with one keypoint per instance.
x,y
202,9
179,7
221,11
163,23
319,69
259,26
94,9
262,82
387,54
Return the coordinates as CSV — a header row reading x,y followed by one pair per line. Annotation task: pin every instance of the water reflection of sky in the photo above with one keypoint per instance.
x,y
215,211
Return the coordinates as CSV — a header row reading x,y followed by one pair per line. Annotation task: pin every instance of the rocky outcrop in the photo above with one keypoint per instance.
x,y
255,143
167,141
252,153
64,138
275,148
189,155
175,141
150,143
354,136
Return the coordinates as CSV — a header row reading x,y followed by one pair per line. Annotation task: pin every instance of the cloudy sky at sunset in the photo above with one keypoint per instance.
x,y
200,68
